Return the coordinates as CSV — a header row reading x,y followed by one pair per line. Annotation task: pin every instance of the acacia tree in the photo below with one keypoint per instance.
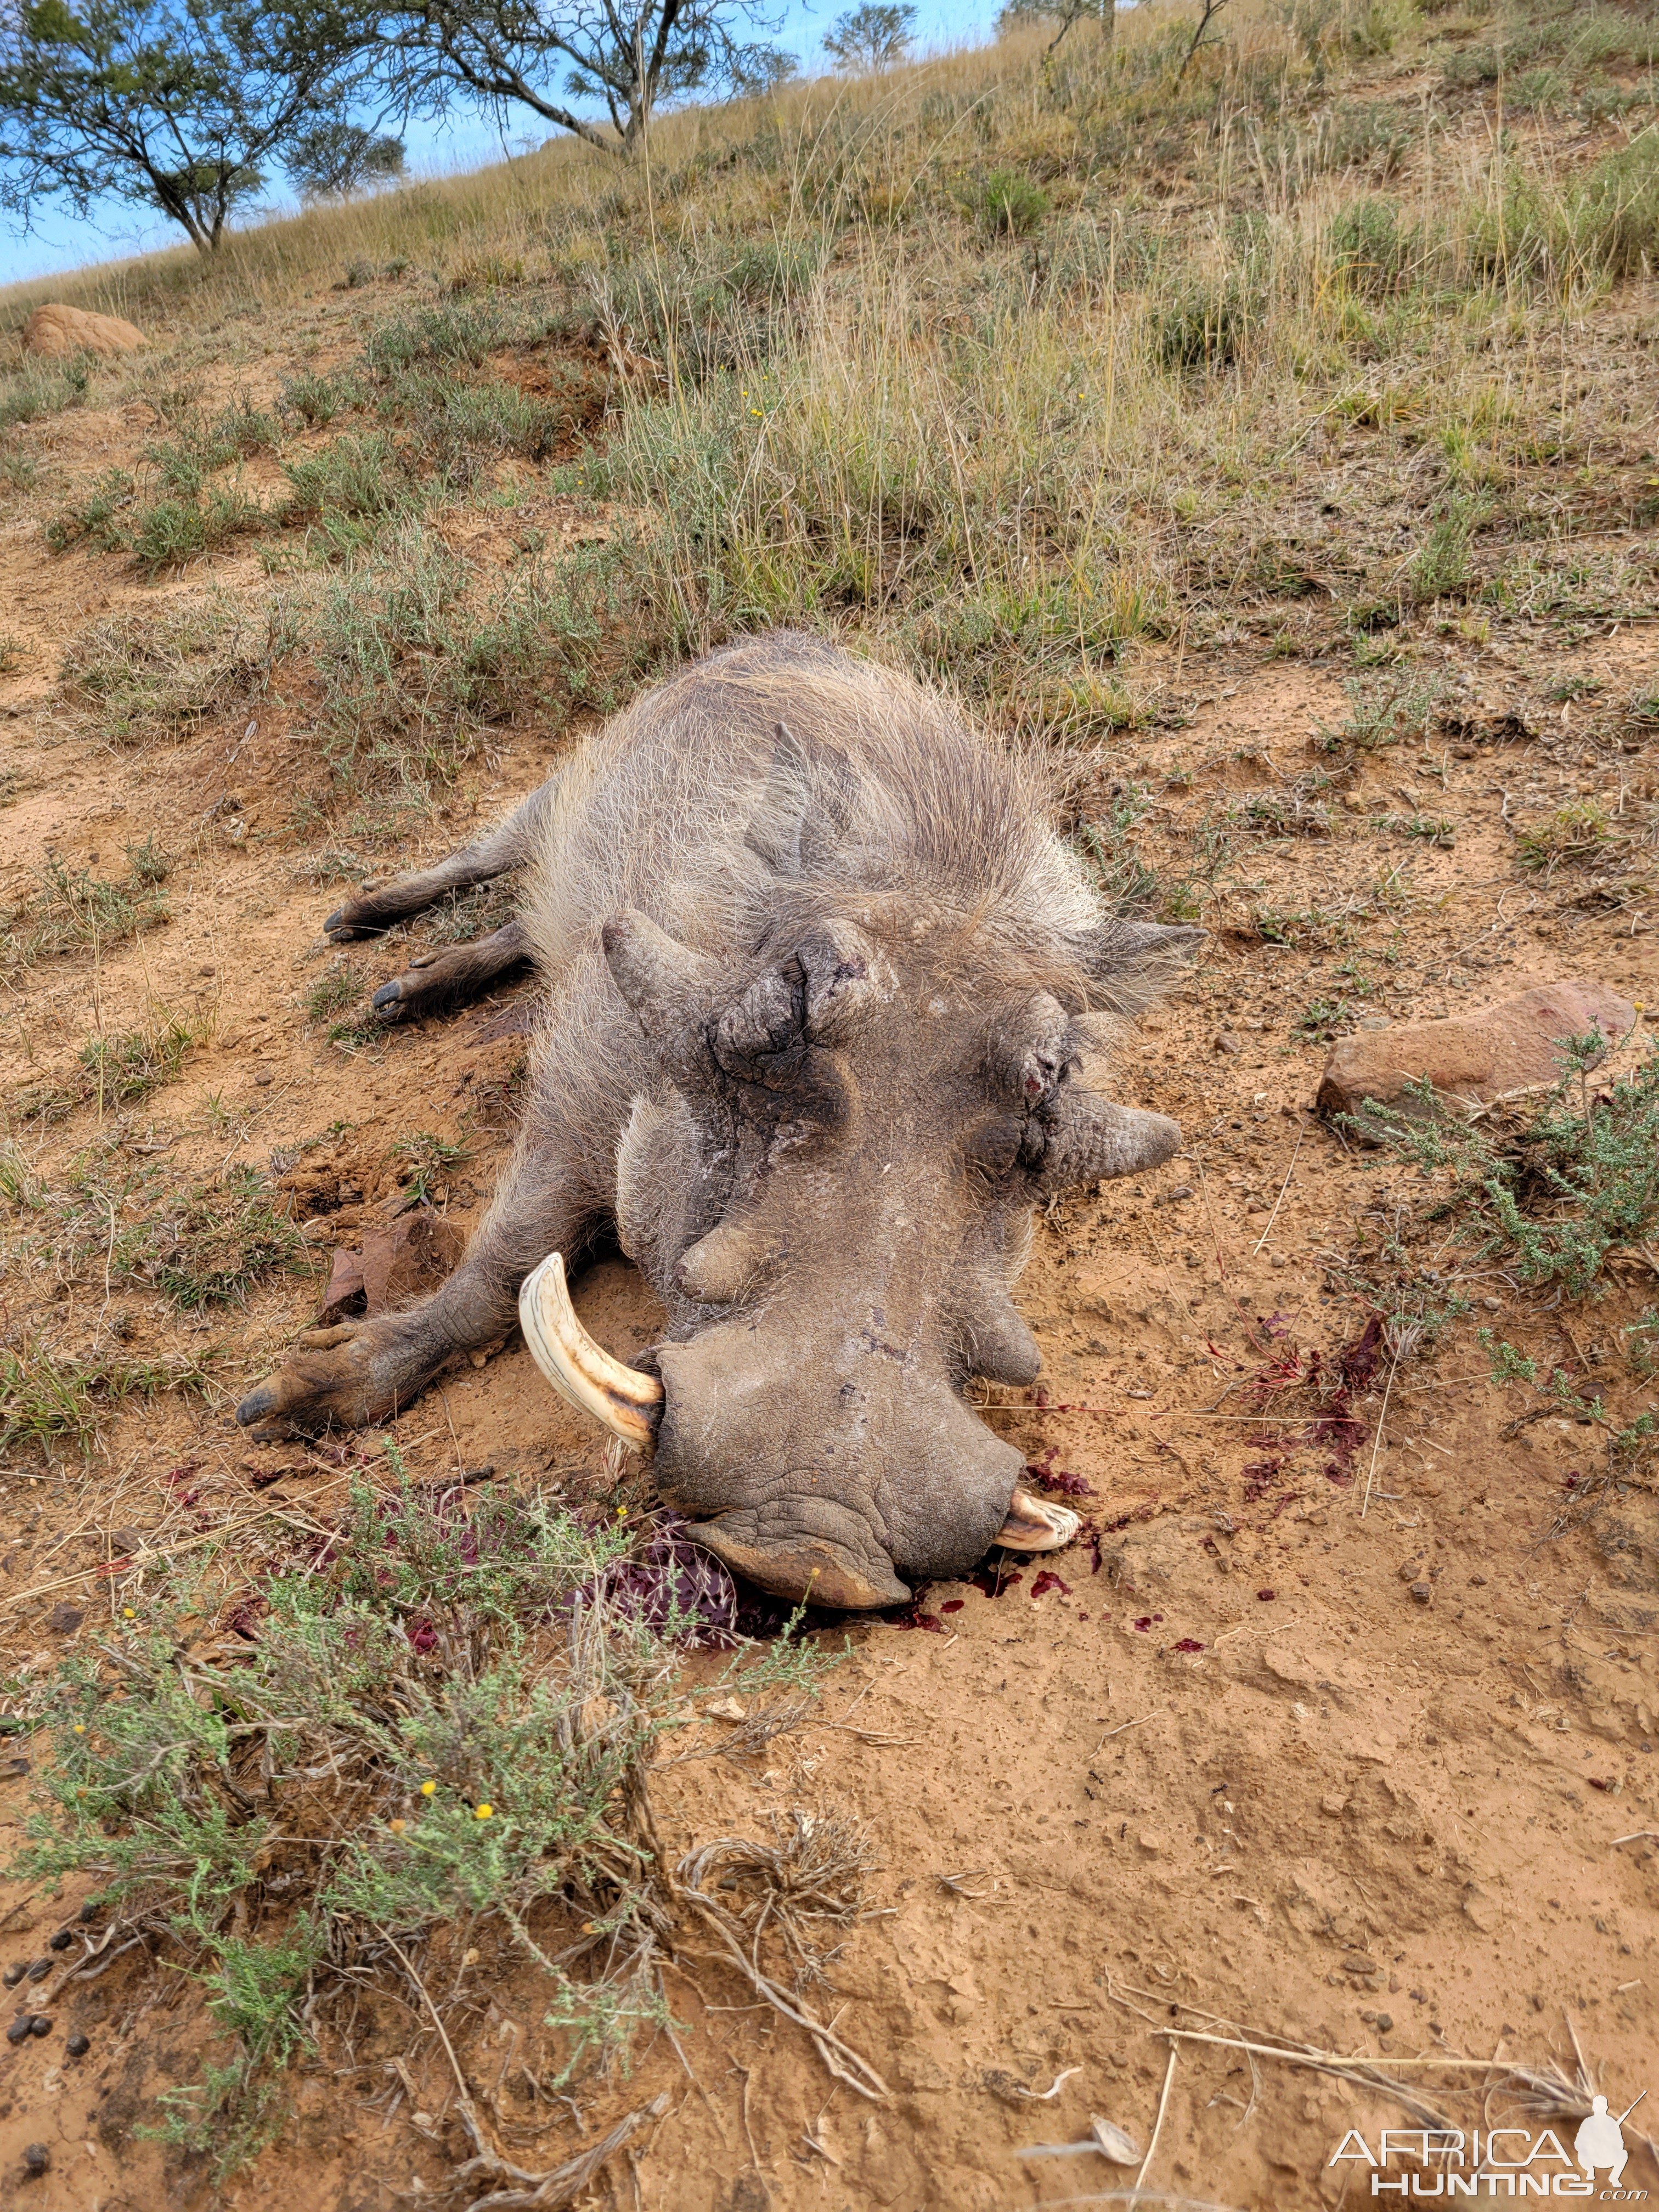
x,y
177,104
876,36
627,60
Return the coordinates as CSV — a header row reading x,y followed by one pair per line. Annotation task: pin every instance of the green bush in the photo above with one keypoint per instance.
x,y
1012,205
355,476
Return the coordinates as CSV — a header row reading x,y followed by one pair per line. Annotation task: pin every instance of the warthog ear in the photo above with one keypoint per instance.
x,y
806,804
667,985
1130,963
1087,1138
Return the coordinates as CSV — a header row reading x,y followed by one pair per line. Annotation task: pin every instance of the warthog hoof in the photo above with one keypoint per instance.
x,y
336,1377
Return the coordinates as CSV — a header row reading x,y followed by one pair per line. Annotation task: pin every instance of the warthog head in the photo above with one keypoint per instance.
x,y
831,1187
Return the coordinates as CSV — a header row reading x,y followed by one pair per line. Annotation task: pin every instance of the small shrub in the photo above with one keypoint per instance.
x,y
484,1680
159,675
1012,205
318,399
461,333
1385,710
69,908
42,388
92,523
1577,832
1556,1190
173,531
1205,324
51,1400
355,476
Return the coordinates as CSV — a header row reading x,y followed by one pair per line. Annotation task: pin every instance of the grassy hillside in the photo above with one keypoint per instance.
x,y
1039,371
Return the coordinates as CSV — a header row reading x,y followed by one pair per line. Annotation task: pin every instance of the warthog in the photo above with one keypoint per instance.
x,y
825,1005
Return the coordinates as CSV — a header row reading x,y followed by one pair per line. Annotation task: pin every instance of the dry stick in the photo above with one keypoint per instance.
x,y
1377,1444
1283,1187
1635,1836
469,2116
1121,1725
1326,2060
1163,2102
569,2181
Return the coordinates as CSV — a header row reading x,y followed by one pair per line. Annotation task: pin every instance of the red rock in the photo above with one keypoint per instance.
x,y
55,331
396,1263
1472,1058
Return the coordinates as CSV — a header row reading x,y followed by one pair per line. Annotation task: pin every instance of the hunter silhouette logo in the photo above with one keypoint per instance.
x,y
1601,2139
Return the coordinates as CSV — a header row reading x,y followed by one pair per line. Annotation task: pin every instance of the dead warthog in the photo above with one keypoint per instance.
x,y
825,1005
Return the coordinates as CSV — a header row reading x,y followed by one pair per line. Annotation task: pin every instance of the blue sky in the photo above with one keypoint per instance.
x,y
115,229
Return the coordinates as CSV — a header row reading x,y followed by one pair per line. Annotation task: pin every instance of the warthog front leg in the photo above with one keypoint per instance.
x,y
442,980
511,844
368,1370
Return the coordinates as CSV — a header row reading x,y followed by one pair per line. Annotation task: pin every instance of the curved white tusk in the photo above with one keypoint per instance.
x,y
628,1403
1034,1524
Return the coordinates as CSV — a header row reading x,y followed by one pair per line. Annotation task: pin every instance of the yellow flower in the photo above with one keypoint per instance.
x,y
427,1788
80,1728
127,1614
483,1812
397,1826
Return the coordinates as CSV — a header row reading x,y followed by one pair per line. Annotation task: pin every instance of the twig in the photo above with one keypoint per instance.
x,y
1377,1444
1121,1725
1163,2103
469,2115
1283,1187
569,2181
1635,1836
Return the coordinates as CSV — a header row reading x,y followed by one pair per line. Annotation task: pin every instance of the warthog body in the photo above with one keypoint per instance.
x,y
825,1007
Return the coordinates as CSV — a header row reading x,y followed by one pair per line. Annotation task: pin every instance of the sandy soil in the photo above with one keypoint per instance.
x,y
1217,1765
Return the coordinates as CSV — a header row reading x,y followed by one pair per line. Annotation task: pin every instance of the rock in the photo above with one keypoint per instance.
x,y
41,2025
396,1263
36,2159
55,332
1470,1059
1228,1043
64,1619
21,2028
1423,1593
78,2046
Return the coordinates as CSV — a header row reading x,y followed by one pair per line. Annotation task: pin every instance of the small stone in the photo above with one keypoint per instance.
x,y
1228,1043
1384,2022
39,1970
63,1619
264,1078
36,2159
1423,1593
78,2046
1334,1804
41,2025
1152,1841
1477,1581
1412,1569
21,2028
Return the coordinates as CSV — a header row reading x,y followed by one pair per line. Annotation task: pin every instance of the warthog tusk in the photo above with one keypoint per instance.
x,y
628,1403
1034,1525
